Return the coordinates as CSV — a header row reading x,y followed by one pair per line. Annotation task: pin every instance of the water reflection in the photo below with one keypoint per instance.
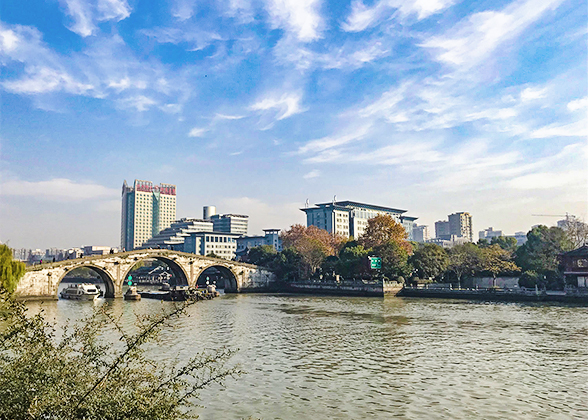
x,y
351,358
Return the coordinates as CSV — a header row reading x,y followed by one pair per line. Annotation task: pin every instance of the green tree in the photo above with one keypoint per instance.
x,y
429,261
10,271
352,261
541,251
288,265
82,375
464,260
263,255
507,243
394,259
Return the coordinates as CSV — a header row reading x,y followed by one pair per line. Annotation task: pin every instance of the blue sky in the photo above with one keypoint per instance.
x,y
433,106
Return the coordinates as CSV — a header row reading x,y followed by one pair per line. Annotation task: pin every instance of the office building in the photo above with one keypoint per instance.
x,y
420,233
460,225
147,209
173,237
271,237
230,223
442,230
350,218
489,234
223,245
521,238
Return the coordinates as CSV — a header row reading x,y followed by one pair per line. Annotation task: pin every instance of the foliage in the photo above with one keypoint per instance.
x,y
464,260
394,259
429,261
508,243
530,279
82,376
313,245
483,243
352,260
496,260
541,251
576,231
10,271
261,255
212,255
383,229
288,265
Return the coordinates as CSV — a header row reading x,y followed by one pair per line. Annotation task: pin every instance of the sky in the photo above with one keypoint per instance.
x,y
255,106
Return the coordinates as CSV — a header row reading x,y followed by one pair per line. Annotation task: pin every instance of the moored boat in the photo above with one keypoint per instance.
x,y
83,291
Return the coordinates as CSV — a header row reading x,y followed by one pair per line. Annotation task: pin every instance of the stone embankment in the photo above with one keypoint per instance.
x,y
356,288
498,295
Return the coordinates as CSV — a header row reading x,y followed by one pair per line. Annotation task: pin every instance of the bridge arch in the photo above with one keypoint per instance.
x,y
231,283
177,269
106,278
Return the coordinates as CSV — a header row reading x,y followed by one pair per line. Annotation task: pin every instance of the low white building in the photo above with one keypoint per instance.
x,y
203,243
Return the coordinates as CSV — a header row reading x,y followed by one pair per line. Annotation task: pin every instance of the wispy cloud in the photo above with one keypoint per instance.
x,y
315,173
478,36
57,189
286,104
85,13
198,132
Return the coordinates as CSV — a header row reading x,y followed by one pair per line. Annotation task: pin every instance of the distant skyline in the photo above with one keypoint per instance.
x,y
255,106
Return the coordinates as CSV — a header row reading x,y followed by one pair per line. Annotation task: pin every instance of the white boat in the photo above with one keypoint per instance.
x,y
83,291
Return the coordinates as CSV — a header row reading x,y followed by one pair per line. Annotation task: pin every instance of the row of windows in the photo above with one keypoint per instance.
x,y
219,239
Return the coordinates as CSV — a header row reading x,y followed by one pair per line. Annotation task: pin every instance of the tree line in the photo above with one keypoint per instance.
x,y
313,253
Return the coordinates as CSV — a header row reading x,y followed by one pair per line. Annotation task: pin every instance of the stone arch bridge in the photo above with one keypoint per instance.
x,y
42,281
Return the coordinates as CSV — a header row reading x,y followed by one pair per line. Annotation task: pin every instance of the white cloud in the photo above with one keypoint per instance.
x,y
8,40
140,102
197,132
43,80
330,142
57,189
548,180
362,16
81,13
228,117
530,94
262,215
312,174
471,41
113,9
578,104
576,129
287,104
299,17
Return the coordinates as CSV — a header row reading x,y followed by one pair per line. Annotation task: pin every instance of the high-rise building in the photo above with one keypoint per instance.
x,y
442,230
174,236
147,209
460,225
420,233
350,218
230,223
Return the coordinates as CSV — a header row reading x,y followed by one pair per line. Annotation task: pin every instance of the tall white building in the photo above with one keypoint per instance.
x,y
230,223
350,218
147,209
460,225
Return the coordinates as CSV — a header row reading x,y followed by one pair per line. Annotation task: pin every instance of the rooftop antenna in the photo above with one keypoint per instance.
x,y
306,204
334,199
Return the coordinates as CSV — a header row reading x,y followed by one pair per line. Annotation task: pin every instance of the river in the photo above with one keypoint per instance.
x,y
325,357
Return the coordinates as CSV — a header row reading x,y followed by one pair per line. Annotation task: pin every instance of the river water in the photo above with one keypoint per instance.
x,y
371,358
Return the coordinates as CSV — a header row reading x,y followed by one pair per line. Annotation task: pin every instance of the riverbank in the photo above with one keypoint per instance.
x,y
344,288
496,295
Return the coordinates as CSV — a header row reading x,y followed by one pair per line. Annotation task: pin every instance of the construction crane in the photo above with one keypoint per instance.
x,y
553,215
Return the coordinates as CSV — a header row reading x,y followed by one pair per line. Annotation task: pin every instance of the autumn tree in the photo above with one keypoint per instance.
x,y
496,260
10,271
312,243
576,231
383,229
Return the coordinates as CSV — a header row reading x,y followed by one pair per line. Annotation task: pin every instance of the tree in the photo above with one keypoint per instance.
x,y
394,259
288,265
10,271
212,255
507,243
352,260
313,245
541,251
429,261
496,260
262,255
82,375
464,260
383,229
576,231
